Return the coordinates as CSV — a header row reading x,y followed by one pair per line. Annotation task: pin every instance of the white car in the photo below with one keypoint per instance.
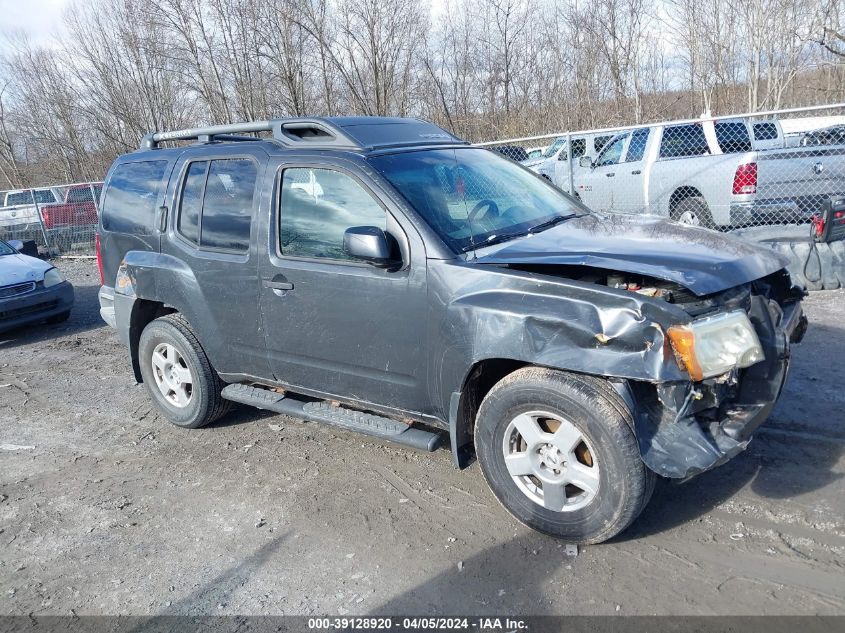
x,y
708,173
554,160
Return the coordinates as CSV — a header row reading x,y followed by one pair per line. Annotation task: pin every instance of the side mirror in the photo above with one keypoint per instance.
x,y
370,244
16,244
585,161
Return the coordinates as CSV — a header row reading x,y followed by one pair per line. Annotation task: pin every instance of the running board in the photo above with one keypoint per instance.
x,y
321,411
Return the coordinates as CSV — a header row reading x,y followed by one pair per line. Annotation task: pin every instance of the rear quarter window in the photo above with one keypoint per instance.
x,y
131,197
732,137
683,140
765,131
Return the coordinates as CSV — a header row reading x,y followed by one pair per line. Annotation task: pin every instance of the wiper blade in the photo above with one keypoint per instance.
x,y
549,223
503,237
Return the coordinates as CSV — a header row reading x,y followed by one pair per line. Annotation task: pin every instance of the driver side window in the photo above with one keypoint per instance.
x,y
612,152
317,206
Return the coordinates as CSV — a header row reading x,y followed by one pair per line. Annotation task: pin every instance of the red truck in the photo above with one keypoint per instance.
x,y
74,219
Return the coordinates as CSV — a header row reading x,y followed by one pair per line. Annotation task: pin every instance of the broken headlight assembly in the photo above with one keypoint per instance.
x,y
714,345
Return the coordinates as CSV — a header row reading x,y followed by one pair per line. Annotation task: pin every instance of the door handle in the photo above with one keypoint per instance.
x,y
610,175
636,172
278,285
162,218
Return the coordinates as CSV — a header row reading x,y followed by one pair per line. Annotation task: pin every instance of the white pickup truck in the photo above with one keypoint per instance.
x,y
712,173
19,219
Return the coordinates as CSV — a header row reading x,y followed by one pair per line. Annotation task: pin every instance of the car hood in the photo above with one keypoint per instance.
x,y
701,260
17,268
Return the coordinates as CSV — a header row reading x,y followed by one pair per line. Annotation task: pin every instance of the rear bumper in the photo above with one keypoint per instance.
x,y
777,210
35,306
764,212
677,440
21,231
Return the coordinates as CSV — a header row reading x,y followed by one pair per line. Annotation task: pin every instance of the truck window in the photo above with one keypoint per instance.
x,y
765,131
190,203
42,196
636,150
612,152
227,205
317,206
579,147
215,209
600,141
80,194
132,195
683,140
732,136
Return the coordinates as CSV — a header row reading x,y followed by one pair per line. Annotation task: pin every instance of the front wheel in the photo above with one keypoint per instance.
x,y
558,452
178,375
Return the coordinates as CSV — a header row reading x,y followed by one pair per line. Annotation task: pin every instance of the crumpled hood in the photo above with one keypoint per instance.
x,y
17,268
701,260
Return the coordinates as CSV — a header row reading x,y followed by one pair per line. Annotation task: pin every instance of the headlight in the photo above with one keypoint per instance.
x,y
713,345
52,277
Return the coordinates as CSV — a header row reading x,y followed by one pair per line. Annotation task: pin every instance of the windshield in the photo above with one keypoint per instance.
x,y
472,197
554,147
5,249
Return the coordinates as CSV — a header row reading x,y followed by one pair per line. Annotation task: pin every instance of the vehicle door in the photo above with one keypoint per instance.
x,y
562,166
335,325
596,185
215,197
629,184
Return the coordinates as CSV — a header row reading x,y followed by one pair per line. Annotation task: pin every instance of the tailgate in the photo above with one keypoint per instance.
x,y
806,175
14,216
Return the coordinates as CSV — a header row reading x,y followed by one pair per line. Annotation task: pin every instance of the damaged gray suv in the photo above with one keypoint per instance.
x,y
385,277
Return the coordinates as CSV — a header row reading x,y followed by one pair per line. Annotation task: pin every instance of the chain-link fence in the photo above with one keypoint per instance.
x,y
61,219
729,172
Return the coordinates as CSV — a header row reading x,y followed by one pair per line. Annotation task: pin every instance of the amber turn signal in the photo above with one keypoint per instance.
x,y
682,339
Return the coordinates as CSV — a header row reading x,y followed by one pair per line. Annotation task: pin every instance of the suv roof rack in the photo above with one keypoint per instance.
x,y
350,133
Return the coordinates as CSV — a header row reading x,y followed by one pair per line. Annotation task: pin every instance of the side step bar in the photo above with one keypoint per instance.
x,y
319,411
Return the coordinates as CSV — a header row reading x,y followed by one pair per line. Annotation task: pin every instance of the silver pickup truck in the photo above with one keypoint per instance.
x,y
709,173
19,213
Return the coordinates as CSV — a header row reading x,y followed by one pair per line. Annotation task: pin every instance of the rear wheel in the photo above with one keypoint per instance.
x,y
693,211
559,453
178,375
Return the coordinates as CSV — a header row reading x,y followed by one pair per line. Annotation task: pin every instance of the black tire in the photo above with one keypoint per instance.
x,y
205,404
694,207
604,421
61,317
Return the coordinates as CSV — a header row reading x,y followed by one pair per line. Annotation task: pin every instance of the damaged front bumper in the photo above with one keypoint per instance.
x,y
685,428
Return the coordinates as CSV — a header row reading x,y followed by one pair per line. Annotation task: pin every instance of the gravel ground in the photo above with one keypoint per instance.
x,y
105,508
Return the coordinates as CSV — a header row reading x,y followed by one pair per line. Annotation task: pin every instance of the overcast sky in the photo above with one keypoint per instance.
x,y
40,19
37,18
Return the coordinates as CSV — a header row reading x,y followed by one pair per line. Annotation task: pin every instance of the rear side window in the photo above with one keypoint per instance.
x,y
766,131
683,140
42,196
636,149
215,209
80,194
131,198
732,136
579,147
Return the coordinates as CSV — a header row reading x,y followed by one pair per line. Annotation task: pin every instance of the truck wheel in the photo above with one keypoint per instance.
x,y
559,453
693,211
178,375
